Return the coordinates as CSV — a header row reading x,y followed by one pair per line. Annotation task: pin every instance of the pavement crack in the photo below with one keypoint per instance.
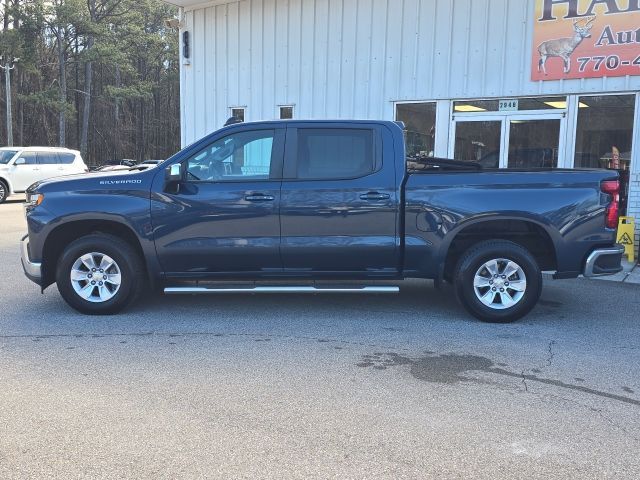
x,y
547,362
599,411
551,353
170,335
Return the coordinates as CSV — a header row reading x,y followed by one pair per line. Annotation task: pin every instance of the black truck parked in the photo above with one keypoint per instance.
x,y
299,206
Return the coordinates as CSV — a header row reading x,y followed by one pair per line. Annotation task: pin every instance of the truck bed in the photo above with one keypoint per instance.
x,y
566,205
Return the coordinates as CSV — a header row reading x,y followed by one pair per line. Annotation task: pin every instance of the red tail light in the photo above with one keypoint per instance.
x,y
612,187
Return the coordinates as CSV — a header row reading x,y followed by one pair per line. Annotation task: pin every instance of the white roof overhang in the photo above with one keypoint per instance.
x,y
194,4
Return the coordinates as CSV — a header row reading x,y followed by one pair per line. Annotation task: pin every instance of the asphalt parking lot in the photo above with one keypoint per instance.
x,y
404,386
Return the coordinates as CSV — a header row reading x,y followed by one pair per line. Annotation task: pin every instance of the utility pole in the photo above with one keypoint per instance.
x,y
8,66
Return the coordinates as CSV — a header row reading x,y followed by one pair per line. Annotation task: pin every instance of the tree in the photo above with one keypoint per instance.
x,y
63,17
99,75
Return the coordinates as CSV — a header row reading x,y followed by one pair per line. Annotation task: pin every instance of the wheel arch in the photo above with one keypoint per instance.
x,y
62,235
531,233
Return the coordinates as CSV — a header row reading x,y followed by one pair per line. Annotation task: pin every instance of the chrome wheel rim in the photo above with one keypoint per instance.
x,y
500,284
3,192
96,277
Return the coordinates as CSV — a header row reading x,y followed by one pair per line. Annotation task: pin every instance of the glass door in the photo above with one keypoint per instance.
x,y
508,140
533,143
479,140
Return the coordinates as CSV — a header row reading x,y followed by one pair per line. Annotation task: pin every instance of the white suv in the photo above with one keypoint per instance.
x,y
21,167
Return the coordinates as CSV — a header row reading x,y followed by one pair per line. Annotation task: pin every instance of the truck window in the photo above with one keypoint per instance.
x,y
242,156
325,154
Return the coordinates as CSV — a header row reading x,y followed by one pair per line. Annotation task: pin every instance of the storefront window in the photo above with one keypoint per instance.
x,y
605,123
605,134
420,122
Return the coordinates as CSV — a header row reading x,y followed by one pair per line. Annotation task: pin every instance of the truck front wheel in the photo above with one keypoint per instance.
x,y
498,281
99,274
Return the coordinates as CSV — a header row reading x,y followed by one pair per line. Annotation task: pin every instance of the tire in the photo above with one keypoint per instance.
x,y
502,299
4,191
97,292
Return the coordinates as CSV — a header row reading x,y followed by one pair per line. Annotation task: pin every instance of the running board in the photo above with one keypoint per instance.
x,y
279,289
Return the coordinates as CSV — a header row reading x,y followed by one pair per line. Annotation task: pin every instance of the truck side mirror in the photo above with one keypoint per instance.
x,y
173,175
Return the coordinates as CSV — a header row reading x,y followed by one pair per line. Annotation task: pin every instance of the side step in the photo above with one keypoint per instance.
x,y
279,289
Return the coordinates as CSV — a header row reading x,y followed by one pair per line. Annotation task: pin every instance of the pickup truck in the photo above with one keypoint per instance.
x,y
318,206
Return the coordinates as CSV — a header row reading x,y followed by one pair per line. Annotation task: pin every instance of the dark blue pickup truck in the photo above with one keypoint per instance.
x,y
318,206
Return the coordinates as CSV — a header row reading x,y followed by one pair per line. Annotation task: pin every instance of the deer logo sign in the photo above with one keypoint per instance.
x,y
564,47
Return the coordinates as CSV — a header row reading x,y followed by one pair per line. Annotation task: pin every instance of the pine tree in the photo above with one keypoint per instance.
x,y
98,75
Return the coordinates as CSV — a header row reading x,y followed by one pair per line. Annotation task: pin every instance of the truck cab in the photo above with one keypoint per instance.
x,y
300,199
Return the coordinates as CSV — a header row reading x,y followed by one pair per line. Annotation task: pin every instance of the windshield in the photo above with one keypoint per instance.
x,y
6,155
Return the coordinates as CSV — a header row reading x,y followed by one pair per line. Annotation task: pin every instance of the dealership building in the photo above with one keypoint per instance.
x,y
506,83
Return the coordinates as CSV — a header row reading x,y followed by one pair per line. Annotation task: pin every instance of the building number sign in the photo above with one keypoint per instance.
x,y
508,105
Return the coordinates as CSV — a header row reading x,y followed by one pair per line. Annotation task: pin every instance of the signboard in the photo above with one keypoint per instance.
x,y
585,39
508,105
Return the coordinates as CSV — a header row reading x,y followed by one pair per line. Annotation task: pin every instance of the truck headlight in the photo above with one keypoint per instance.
x,y
34,199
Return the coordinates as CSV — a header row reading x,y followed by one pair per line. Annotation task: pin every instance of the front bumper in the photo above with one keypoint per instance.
x,y
604,261
32,270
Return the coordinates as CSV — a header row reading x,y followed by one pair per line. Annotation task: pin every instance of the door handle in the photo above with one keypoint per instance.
x,y
259,198
375,196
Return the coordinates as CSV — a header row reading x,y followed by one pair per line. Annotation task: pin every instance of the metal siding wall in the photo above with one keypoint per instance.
x,y
354,58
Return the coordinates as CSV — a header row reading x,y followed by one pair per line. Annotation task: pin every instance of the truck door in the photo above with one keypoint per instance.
x,y
340,201
224,219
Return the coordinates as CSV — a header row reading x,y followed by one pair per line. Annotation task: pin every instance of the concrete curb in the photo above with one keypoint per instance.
x,y
630,274
633,276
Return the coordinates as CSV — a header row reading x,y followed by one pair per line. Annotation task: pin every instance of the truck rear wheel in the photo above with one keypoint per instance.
x,y
498,281
100,274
